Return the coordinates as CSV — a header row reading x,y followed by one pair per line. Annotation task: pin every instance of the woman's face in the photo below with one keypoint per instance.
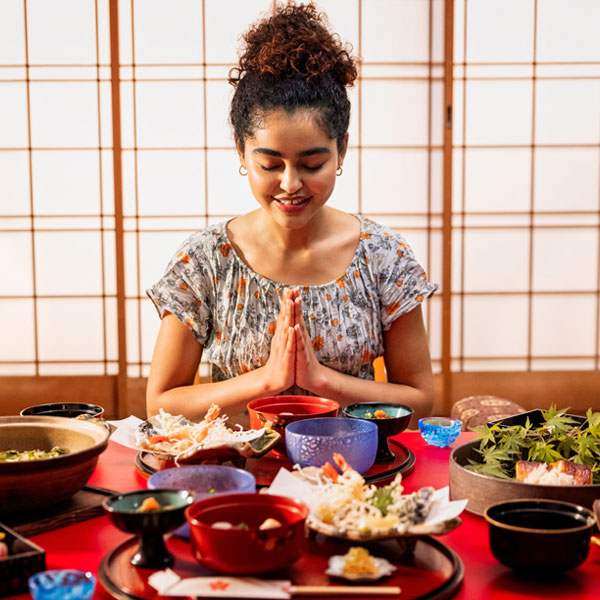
x,y
291,165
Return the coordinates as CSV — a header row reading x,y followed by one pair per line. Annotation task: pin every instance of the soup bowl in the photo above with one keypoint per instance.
x,y
539,538
226,533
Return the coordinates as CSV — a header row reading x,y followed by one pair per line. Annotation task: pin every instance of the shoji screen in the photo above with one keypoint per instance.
x,y
57,271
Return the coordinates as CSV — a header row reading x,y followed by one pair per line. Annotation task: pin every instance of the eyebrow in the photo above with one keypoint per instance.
x,y
309,152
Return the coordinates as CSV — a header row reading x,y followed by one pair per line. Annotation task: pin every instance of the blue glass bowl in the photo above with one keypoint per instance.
x,y
439,431
205,480
67,584
312,442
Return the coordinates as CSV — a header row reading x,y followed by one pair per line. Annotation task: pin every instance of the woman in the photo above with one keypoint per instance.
x,y
295,296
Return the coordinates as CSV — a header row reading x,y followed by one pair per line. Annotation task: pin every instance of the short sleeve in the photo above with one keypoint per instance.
x,y
186,290
402,280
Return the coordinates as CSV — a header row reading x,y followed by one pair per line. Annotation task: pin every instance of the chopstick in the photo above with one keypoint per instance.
x,y
343,590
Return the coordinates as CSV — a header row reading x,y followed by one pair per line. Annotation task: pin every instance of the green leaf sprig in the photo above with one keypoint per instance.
x,y
558,437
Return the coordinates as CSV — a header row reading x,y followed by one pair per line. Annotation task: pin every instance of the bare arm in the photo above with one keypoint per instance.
x,y
408,364
175,362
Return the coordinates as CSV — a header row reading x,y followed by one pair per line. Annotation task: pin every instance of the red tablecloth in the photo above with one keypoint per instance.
x,y
83,546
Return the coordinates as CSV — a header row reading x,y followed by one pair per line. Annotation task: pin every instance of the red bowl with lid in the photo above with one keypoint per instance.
x,y
283,410
242,547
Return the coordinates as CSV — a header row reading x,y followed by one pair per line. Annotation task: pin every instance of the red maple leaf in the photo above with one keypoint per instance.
x,y
218,585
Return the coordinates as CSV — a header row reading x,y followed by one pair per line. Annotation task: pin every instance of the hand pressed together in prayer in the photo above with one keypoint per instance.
x,y
292,359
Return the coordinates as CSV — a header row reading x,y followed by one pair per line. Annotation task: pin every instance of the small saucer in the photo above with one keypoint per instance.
x,y
336,566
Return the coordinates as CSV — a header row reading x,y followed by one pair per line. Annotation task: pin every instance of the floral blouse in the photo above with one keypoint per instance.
x,y
231,310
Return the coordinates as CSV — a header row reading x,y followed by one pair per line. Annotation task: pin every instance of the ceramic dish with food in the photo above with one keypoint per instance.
x,y
475,473
32,484
358,566
344,506
176,438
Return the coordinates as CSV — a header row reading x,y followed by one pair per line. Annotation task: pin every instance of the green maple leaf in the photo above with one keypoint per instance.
x,y
557,422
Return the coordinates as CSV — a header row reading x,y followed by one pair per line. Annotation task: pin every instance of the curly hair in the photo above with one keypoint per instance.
x,y
292,61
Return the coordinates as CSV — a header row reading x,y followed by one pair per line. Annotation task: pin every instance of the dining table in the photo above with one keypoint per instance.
x,y
84,545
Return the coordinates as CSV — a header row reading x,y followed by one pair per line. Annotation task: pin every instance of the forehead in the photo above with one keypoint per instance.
x,y
290,132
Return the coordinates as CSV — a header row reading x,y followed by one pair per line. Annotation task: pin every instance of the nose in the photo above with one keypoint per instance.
x,y
290,180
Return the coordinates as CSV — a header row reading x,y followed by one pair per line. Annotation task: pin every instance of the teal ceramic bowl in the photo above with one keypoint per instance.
x,y
126,512
397,419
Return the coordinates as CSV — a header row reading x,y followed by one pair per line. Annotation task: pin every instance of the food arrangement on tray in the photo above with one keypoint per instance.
x,y
176,438
546,454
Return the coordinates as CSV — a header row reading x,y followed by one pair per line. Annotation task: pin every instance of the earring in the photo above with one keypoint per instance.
x,y
244,172
339,171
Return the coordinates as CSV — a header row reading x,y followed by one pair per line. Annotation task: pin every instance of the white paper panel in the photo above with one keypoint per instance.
x,y
495,326
395,31
171,182
108,206
132,308
169,114
345,193
495,364
218,130
13,116
61,31
565,259
168,32
226,22
395,113
68,262
497,180
149,331
12,33
66,182
110,263
567,112
564,364
568,31
81,340
566,179
84,368
343,16
561,325
14,183
16,323
64,114
15,267
500,30
499,112
130,243
406,191
496,260
228,192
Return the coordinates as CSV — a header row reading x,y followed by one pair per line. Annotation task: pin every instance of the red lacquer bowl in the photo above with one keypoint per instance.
x,y
283,410
246,549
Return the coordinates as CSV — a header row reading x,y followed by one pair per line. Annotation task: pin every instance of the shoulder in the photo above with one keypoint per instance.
x,y
205,242
381,239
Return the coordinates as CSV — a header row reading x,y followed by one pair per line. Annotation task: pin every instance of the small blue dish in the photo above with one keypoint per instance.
x,y
205,481
439,431
312,442
67,584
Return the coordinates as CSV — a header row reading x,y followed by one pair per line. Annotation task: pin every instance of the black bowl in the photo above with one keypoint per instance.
x,y
124,511
397,420
539,538
64,409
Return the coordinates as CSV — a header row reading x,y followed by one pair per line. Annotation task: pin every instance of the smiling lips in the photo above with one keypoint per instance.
x,y
292,205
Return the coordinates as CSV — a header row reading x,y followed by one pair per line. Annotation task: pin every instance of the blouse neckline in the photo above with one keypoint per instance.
x,y
278,284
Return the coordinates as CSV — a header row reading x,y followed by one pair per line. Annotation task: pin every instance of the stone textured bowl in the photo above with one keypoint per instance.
x,y
313,442
539,538
29,485
482,490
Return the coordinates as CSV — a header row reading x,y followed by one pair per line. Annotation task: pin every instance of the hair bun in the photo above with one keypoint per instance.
x,y
295,42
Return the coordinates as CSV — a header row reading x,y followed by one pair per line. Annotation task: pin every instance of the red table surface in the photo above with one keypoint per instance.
x,y
82,546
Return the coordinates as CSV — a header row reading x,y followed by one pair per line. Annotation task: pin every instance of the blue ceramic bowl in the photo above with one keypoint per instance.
x,y
312,442
67,584
439,431
205,480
